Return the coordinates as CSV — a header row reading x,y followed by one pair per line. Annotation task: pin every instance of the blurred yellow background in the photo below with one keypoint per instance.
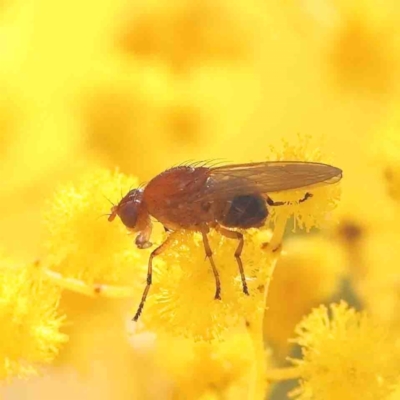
x,y
142,85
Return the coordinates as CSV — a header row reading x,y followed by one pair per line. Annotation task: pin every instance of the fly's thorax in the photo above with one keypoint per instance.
x,y
170,197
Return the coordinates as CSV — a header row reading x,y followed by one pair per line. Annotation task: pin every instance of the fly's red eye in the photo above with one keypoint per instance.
x,y
128,213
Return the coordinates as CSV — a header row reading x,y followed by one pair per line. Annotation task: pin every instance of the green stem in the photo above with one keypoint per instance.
x,y
94,290
258,384
282,374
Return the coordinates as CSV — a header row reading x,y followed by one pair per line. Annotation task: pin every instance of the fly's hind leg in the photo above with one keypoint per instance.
x,y
273,203
209,254
153,254
239,236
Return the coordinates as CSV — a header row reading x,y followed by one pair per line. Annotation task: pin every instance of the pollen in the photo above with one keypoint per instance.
x,y
196,368
81,244
182,298
30,321
315,212
345,356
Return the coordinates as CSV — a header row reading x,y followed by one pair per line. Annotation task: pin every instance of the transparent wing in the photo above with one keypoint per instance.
x,y
228,181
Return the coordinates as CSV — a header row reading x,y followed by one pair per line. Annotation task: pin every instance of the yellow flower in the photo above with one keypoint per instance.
x,y
308,272
87,255
363,52
100,352
379,285
182,297
183,279
396,394
81,244
188,33
195,369
182,116
315,211
356,40
387,151
111,102
345,356
92,259
30,334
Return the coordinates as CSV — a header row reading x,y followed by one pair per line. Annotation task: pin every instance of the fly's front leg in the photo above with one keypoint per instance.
x,y
153,254
209,253
239,236
273,203
143,239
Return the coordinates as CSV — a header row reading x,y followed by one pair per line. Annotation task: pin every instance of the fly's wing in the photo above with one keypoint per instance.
x,y
228,181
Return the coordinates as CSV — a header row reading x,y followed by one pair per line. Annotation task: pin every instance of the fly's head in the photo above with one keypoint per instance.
x,y
133,214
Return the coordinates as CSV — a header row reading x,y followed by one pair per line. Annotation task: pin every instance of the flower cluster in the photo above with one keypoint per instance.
x,y
30,319
94,91
342,345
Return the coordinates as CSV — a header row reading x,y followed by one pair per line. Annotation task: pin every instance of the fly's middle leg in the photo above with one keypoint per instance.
x,y
209,254
239,236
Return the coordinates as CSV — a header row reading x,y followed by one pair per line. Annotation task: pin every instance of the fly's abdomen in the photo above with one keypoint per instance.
x,y
249,211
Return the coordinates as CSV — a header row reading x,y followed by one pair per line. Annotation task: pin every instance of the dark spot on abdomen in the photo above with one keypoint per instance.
x,y
248,211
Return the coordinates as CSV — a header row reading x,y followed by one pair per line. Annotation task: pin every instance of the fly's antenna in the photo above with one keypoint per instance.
x,y
108,200
103,215
111,216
